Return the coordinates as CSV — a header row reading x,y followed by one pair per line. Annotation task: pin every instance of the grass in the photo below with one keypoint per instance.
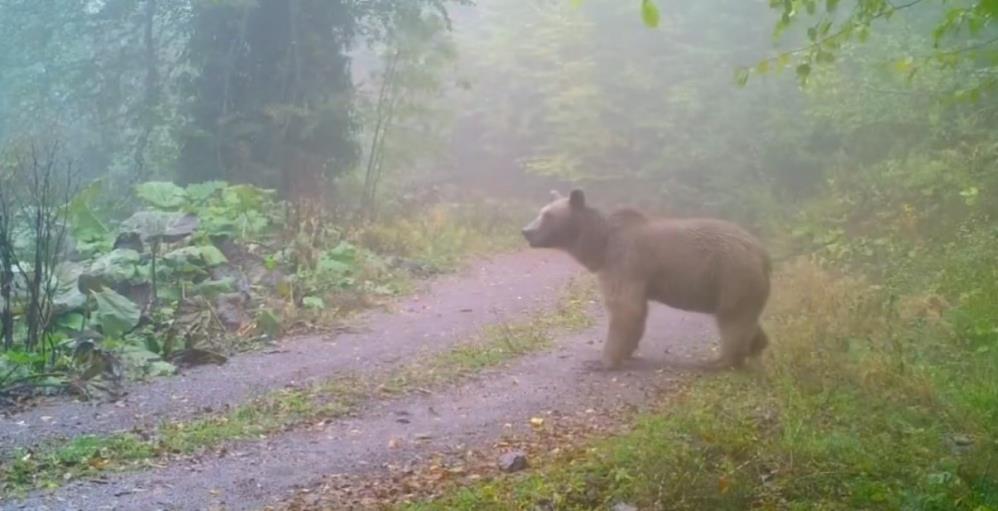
x,y
445,235
55,464
861,406
86,456
400,250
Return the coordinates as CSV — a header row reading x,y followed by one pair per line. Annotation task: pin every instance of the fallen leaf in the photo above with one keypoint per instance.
x,y
723,483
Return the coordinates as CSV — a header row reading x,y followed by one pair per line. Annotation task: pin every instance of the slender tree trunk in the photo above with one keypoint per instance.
x,y
381,116
6,278
152,87
380,163
7,261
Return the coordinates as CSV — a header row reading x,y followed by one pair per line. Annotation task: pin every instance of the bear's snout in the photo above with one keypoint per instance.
x,y
527,234
530,234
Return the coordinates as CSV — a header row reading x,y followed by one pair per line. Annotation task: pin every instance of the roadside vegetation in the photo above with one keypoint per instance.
x,y
184,181
60,462
880,388
190,275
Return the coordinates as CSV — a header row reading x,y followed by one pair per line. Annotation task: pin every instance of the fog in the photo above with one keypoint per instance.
x,y
290,250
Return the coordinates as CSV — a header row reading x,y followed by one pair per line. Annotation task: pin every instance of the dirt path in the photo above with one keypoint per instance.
x,y
254,474
447,311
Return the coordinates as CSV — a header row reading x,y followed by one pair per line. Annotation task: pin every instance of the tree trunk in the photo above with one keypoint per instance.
x,y
151,98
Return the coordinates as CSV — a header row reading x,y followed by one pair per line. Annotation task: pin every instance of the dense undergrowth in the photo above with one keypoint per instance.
x,y
188,275
880,390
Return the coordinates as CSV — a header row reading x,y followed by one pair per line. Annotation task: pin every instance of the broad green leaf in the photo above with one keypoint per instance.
x,y
73,321
245,197
67,293
119,265
142,362
118,315
649,13
201,192
212,288
161,194
184,258
196,255
84,223
161,226
313,302
212,255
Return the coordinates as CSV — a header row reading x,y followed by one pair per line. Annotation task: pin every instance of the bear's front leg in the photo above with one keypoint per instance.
x,y
627,306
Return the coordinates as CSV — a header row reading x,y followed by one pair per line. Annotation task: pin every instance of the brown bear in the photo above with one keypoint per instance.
x,y
698,264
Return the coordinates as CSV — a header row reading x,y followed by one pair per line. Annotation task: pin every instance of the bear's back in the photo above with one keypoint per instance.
x,y
688,263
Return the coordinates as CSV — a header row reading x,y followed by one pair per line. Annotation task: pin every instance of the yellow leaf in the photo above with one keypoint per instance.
x,y
904,65
723,483
783,60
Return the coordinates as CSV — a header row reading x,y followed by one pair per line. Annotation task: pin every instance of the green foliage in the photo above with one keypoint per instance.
x,y
958,35
280,121
649,13
116,314
855,411
122,265
163,255
160,226
161,194
441,236
90,232
321,276
407,112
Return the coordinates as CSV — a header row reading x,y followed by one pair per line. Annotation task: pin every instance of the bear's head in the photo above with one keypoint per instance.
x,y
559,223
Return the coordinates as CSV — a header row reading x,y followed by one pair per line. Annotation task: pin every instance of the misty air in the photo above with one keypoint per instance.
x,y
537,255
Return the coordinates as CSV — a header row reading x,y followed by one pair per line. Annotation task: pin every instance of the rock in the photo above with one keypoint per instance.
x,y
230,309
963,440
620,506
514,461
195,357
962,443
544,505
240,282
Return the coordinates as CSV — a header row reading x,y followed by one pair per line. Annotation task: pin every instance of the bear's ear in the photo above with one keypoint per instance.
x,y
555,195
577,199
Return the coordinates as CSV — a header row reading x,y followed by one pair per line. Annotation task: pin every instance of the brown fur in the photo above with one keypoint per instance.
x,y
699,265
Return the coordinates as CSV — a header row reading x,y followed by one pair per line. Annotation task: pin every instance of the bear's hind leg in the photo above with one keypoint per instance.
x,y
759,342
738,336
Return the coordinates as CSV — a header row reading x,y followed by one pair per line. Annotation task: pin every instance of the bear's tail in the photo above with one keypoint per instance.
x,y
759,342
